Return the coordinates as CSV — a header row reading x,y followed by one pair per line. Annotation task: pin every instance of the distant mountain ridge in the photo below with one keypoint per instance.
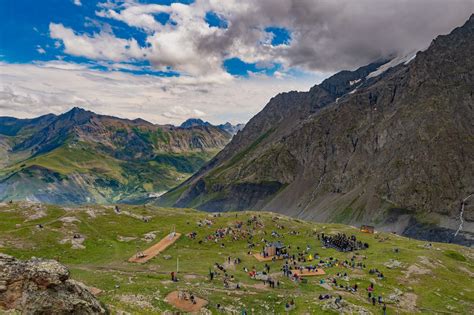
x,y
228,127
83,157
390,144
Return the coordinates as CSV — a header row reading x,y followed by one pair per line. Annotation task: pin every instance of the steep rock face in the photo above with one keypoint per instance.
x,y
394,150
42,286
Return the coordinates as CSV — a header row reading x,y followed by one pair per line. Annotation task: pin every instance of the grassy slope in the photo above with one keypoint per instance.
x,y
216,176
135,177
447,287
67,160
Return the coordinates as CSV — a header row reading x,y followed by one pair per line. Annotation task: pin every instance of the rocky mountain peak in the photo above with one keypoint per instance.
x,y
77,115
227,127
346,81
194,122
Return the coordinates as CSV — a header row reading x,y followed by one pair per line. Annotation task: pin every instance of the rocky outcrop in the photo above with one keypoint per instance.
x,y
40,286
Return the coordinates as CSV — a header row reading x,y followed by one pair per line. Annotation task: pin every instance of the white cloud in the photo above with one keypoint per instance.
x,y
77,2
32,90
99,46
327,35
62,65
186,44
137,15
179,113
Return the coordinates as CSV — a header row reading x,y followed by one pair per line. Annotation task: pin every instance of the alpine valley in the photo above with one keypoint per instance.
x,y
81,157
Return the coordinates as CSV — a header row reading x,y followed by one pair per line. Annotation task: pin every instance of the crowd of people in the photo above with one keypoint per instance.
x,y
342,242
302,259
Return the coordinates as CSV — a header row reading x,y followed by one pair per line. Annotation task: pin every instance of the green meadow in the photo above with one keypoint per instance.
x,y
423,278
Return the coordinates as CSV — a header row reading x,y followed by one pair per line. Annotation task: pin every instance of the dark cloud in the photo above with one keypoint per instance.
x,y
331,35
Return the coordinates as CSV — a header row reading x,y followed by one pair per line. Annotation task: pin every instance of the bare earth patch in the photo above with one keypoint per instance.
x,y
185,304
69,220
125,238
408,302
470,273
76,242
416,270
35,212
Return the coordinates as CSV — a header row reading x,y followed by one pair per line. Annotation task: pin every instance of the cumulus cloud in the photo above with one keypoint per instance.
x,y
99,46
77,2
326,35
137,15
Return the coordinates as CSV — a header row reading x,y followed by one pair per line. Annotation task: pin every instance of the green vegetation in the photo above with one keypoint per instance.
x,y
235,159
113,179
455,255
432,279
72,158
172,196
184,163
152,136
216,176
81,157
240,155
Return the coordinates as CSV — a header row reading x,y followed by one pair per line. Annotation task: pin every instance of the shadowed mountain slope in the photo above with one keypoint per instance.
x,y
392,148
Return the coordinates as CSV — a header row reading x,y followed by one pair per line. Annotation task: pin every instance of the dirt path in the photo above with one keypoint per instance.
x,y
30,225
156,249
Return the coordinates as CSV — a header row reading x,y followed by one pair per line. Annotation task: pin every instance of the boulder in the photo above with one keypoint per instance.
x,y
42,286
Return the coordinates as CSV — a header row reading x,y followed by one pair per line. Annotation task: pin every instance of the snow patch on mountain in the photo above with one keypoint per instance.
x,y
392,63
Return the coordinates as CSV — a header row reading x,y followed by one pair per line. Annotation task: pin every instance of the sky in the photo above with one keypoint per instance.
x,y
218,60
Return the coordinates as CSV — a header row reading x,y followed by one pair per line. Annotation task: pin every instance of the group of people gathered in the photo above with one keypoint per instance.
x,y
182,295
295,259
342,242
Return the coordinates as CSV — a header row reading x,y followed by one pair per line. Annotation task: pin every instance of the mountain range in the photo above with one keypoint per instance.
x,y
390,144
82,157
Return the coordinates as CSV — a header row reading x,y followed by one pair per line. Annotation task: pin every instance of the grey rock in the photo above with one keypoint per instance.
x,y
42,286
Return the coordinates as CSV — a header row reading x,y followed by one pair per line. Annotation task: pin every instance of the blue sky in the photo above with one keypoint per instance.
x,y
25,35
167,61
